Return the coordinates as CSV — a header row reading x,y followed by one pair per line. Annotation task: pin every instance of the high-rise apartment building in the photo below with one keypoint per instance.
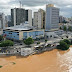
x,y
8,20
28,16
2,21
52,18
61,19
20,15
35,21
39,19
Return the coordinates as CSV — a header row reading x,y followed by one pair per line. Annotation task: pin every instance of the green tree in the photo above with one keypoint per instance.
x,y
45,41
6,43
63,46
60,28
71,41
67,41
38,42
64,28
1,66
69,28
29,41
1,37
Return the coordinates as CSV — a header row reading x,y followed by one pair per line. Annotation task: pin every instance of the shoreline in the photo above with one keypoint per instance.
x,y
6,55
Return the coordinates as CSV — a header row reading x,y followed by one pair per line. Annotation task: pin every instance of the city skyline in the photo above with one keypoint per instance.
x,y
65,6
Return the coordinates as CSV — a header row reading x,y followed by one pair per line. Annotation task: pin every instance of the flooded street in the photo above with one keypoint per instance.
x,y
51,61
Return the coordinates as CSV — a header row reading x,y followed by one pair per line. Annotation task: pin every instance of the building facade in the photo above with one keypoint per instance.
x,y
35,21
61,19
54,34
22,32
28,16
39,19
2,21
20,15
52,18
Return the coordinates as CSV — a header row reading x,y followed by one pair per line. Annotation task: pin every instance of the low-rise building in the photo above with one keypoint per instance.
x,y
54,34
26,51
21,32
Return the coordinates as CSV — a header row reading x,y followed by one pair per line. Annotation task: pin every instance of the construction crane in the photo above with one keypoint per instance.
x,y
20,3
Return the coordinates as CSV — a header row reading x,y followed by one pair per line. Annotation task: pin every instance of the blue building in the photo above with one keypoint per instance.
x,y
21,32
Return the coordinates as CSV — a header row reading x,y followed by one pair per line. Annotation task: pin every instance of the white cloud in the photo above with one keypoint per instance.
x,y
64,5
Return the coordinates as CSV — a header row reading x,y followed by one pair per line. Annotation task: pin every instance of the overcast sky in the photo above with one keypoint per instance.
x,y
64,5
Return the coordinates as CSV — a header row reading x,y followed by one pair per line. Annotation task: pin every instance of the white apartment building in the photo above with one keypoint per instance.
x,y
52,18
35,23
2,21
30,17
39,19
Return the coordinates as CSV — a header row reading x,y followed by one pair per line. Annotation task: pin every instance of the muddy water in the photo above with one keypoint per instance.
x,y
52,61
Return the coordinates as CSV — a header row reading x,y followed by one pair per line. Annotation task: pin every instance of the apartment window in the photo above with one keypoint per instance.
x,y
17,34
10,33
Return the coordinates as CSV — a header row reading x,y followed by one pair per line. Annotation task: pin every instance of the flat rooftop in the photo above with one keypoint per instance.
x,y
20,27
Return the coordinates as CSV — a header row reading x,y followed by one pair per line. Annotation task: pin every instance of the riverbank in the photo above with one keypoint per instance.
x,y
50,61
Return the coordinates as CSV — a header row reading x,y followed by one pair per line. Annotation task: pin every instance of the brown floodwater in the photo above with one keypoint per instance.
x,y
51,61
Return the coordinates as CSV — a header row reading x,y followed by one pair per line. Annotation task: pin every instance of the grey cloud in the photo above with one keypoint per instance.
x,y
62,4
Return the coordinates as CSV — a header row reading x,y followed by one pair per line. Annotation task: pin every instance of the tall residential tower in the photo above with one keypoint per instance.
x,y
39,19
52,18
20,15
2,20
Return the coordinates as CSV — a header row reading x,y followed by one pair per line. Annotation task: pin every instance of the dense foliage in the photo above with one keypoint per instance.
x,y
60,28
38,42
67,41
45,41
64,28
71,41
63,46
69,28
6,43
1,66
1,37
29,41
